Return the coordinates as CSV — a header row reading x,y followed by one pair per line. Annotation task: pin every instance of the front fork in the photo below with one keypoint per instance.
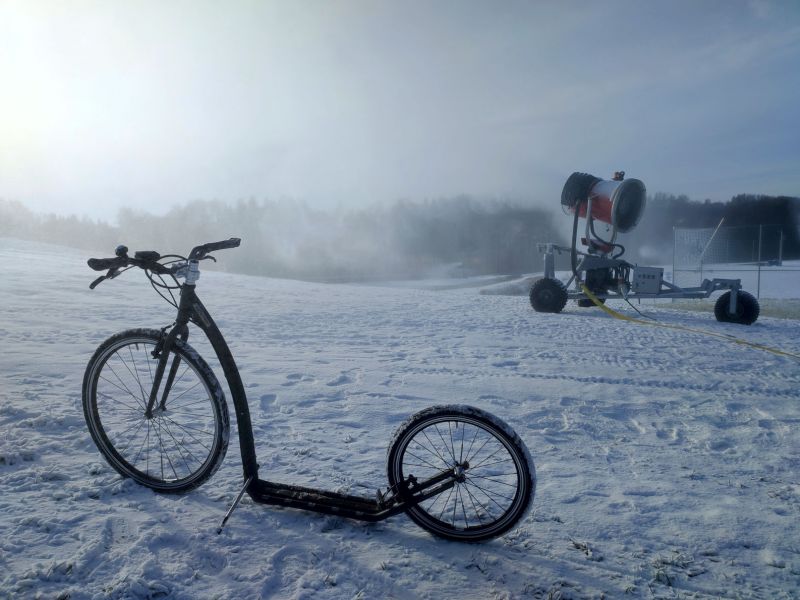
x,y
162,352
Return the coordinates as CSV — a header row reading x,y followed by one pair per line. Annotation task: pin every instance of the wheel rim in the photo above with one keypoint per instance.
x,y
173,447
488,489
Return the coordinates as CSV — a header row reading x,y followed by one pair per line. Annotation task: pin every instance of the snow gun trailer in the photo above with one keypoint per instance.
x,y
600,274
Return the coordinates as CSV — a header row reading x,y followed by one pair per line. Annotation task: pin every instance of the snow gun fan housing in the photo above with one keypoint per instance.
x,y
618,202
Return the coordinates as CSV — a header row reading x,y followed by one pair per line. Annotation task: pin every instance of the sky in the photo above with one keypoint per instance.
x,y
149,104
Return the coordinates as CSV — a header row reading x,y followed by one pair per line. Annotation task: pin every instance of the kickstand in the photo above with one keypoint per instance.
x,y
235,504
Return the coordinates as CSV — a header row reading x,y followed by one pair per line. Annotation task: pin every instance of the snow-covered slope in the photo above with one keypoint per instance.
x,y
667,461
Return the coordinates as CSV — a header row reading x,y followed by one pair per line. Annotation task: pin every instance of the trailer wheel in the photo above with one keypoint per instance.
x,y
747,309
548,295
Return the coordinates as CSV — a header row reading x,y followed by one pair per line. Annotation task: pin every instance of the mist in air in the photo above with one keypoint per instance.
x,y
349,114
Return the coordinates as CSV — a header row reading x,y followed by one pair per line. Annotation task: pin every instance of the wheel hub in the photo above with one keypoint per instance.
x,y
460,471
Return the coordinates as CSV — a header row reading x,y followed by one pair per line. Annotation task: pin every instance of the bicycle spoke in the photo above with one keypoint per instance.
x,y
142,422
463,508
433,502
488,439
423,460
472,500
498,462
124,388
409,464
136,458
138,425
186,392
163,454
452,445
475,437
138,380
461,452
444,508
436,427
437,453
455,506
490,493
493,480
500,449
178,447
147,362
133,409
192,403
186,428
177,381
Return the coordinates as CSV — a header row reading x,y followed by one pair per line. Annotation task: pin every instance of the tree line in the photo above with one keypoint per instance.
x,y
653,238
446,237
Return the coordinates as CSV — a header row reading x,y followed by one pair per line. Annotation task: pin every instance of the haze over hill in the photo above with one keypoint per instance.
x,y
452,237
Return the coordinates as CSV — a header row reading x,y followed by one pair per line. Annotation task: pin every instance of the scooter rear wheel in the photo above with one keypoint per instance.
x,y
493,471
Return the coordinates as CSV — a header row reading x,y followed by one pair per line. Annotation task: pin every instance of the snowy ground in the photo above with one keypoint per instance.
x,y
668,462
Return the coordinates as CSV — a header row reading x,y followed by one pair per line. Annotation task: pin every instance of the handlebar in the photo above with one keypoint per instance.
x,y
148,259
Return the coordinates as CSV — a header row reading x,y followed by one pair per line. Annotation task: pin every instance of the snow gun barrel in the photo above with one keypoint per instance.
x,y
619,202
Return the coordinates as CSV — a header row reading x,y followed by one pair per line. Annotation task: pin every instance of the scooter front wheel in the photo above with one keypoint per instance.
x,y
493,473
182,443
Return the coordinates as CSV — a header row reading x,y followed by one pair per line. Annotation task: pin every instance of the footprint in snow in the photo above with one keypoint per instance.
x,y
267,401
340,380
506,363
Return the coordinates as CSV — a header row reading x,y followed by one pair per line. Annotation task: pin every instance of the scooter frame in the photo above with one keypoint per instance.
x,y
385,504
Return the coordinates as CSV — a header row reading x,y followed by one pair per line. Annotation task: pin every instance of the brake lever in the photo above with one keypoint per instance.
x,y
110,275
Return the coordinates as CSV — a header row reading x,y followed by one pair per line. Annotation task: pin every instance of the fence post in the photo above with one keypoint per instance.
x,y
760,229
758,285
674,231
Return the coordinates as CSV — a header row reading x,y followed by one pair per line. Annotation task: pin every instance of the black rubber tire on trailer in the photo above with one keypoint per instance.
x,y
498,478
548,295
747,309
181,446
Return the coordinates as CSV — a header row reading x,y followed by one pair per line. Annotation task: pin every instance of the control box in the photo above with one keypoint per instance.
x,y
647,280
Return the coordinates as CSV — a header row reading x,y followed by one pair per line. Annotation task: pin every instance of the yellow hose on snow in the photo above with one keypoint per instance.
x,y
730,338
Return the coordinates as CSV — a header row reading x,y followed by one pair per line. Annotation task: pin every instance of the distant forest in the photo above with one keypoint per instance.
x,y
447,237
653,238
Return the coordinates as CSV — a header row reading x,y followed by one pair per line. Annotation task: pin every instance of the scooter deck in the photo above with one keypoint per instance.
x,y
322,501
345,505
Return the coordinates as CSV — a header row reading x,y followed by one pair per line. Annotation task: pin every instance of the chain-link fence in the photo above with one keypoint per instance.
x,y
752,254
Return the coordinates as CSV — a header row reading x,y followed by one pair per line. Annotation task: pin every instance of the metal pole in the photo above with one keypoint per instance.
x,y
780,250
674,263
711,239
758,285
760,229
673,253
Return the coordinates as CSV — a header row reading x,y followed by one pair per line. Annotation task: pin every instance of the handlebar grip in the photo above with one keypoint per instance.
x,y
229,243
101,264
200,251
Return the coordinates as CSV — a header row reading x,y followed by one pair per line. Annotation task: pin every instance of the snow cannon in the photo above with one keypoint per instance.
x,y
600,273
619,202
